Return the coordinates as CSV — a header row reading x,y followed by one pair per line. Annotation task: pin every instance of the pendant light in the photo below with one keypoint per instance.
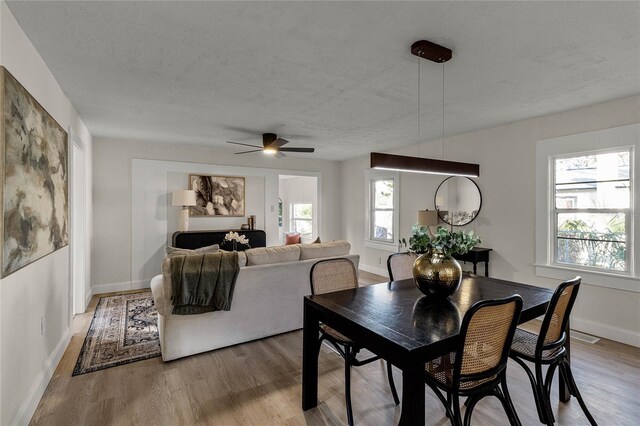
x,y
439,54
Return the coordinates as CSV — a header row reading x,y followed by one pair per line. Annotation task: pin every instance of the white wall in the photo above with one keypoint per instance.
x,y
42,289
117,250
506,222
298,190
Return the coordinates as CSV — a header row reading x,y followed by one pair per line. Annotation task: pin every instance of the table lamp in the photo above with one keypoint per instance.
x,y
428,218
184,198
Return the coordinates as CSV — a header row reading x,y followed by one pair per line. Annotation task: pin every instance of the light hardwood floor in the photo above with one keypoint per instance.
x,y
258,383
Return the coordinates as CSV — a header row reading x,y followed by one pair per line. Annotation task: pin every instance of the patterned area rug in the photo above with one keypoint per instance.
x,y
124,329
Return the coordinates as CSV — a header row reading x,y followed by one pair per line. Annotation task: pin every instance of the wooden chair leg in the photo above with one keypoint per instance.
x,y
545,403
534,388
392,385
470,403
508,403
565,370
456,420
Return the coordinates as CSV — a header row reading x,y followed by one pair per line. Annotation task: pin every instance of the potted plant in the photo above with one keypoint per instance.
x,y
435,271
234,241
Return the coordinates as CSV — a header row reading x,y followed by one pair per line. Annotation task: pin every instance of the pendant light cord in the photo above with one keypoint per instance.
x,y
419,107
443,110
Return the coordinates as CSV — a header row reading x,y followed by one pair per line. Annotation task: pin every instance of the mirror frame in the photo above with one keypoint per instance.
x,y
436,205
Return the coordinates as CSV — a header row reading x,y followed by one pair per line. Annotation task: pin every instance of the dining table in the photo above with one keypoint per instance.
x,y
400,324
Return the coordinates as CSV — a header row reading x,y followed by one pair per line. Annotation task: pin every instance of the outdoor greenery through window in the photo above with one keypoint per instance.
x,y
302,219
592,213
382,210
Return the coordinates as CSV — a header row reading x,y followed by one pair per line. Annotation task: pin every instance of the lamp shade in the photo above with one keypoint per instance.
x,y
185,197
427,217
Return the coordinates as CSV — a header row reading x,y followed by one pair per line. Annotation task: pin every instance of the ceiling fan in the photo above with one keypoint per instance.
x,y
272,145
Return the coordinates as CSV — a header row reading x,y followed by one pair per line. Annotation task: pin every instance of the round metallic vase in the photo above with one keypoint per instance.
x,y
436,274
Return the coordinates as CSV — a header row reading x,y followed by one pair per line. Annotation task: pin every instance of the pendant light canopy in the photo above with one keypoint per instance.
x,y
439,54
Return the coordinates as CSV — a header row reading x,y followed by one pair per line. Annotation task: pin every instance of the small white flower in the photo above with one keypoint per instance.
x,y
234,236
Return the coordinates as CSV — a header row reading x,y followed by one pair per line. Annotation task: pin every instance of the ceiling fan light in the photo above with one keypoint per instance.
x,y
270,151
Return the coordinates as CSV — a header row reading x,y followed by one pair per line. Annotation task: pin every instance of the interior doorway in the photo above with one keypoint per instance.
x,y
298,209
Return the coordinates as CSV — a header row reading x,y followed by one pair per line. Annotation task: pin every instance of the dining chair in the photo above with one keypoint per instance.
x,y
400,265
548,348
334,275
477,368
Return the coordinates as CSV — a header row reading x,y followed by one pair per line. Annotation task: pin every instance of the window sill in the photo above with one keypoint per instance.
x,y
600,279
378,245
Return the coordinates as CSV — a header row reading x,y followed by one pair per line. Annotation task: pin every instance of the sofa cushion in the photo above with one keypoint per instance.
x,y
329,249
275,254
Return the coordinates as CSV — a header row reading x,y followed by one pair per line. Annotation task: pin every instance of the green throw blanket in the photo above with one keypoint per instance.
x,y
203,282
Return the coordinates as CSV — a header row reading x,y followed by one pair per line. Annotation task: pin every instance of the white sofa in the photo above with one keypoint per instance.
x,y
267,300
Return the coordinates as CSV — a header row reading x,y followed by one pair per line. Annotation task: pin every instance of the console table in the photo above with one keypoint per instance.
x,y
475,255
196,239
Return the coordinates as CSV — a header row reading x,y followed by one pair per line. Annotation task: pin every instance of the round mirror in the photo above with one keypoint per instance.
x,y
458,200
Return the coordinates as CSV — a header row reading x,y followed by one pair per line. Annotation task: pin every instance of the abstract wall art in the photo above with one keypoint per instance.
x,y
34,179
218,195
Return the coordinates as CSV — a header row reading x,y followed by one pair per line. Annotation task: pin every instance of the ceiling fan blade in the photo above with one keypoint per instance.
x,y
279,142
298,149
244,144
246,152
280,154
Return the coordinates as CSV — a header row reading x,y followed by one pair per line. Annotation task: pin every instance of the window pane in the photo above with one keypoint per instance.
x,y
592,239
302,226
303,211
383,194
383,225
589,168
611,195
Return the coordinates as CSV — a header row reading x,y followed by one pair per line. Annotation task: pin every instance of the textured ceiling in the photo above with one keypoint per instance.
x,y
334,75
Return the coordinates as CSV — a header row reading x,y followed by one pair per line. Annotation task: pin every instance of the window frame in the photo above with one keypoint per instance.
x,y
371,176
627,212
293,219
616,138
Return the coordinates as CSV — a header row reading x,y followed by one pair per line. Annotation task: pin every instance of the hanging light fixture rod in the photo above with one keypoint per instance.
x,y
431,51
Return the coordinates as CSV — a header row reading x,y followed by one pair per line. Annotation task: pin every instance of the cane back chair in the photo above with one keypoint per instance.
x,y
477,368
400,266
334,275
548,348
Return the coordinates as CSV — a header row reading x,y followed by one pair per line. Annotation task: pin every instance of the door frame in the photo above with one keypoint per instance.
x,y
77,217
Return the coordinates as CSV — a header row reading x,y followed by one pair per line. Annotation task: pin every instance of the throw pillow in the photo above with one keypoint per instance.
x,y
175,251
292,239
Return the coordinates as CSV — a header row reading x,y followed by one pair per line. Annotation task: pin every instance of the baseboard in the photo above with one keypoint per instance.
x,y
123,286
38,387
372,269
616,334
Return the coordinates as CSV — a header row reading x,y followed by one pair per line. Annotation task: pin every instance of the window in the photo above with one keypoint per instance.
x,y
586,204
382,210
592,209
302,219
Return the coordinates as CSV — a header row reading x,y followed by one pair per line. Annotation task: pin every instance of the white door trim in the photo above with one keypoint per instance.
x,y
77,218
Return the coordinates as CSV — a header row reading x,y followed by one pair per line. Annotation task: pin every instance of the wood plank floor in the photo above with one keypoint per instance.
x,y
258,383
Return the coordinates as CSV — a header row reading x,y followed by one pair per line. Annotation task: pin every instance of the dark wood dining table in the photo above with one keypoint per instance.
x,y
397,322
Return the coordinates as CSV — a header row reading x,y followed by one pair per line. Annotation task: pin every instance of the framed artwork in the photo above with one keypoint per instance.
x,y
217,195
34,178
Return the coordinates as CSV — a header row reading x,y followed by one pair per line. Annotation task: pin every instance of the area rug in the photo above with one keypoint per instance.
x,y
124,329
